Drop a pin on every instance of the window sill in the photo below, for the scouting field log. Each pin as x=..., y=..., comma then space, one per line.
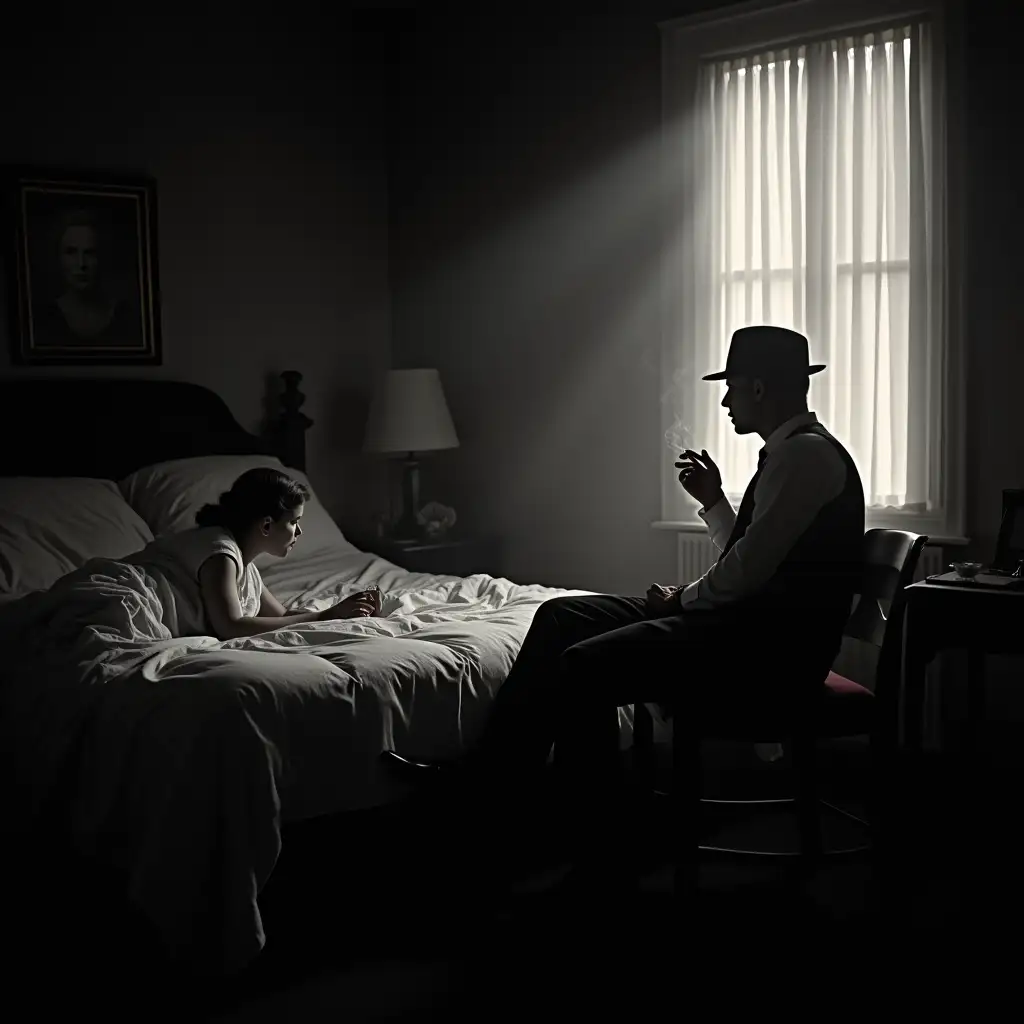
x=937, y=539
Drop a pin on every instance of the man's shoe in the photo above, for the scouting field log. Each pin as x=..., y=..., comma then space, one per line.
x=419, y=772
x=412, y=769
x=468, y=773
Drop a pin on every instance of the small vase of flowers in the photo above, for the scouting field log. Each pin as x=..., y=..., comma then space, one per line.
x=435, y=520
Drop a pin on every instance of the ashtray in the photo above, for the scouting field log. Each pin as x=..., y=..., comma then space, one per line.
x=967, y=570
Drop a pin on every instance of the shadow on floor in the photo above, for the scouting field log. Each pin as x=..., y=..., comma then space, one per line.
x=449, y=912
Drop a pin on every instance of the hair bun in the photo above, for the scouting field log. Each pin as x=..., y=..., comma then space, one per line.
x=211, y=515
x=257, y=493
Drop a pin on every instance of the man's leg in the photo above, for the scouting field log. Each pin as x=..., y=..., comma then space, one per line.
x=523, y=718
x=703, y=664
x=706, y=666
x=639, y=662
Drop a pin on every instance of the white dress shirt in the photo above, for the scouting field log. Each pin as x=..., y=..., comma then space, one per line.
x=801, y=475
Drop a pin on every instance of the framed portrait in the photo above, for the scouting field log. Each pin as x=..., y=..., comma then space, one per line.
x=82, y=264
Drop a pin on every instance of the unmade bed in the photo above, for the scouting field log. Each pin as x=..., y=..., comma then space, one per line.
x=179, y=761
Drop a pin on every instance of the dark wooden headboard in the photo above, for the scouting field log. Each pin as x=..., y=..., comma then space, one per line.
x=109, y=427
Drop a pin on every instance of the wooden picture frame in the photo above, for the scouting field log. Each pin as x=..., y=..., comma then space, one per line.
x=82, y=267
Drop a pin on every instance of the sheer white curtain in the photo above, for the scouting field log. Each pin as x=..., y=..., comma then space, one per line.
x=821, y=200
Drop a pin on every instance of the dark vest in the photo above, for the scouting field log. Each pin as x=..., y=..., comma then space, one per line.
x=808, y=600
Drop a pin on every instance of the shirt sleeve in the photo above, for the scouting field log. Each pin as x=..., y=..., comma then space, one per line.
x=720, y=519
x=797, y=482
x=205, y=542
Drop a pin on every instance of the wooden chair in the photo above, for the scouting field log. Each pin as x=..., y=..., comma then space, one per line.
x=843, y=708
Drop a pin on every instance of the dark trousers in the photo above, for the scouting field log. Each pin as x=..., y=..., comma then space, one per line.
x=586, y=656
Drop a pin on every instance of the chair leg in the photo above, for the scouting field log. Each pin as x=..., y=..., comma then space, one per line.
x=686, y=791
x=805, y=765
x=643, y=745
x=879, y=768
x=885, y=786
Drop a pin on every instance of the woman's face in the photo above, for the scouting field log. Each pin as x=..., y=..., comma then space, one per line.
x=79, y=256
x=283, y=533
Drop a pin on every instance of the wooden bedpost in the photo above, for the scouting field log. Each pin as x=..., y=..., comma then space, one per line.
x=291, y=424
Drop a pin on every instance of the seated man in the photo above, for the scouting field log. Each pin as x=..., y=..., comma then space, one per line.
x=768, y=615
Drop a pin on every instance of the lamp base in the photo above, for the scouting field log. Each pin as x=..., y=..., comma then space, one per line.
x=407, y=530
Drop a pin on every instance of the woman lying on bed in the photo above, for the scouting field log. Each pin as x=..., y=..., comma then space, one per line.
x=260, y=515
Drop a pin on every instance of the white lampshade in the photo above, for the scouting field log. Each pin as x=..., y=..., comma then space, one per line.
x=409, y=414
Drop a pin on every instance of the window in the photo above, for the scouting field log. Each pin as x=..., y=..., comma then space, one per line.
x=815, y=199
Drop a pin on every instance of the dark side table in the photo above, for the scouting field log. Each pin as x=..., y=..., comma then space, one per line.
x=977, y=619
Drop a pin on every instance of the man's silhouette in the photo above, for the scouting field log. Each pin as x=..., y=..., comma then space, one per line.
x=759, y=629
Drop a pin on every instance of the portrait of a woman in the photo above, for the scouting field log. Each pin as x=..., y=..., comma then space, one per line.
x=86, y=268
x=87, y=308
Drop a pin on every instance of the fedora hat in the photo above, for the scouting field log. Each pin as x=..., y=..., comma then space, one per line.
x=766, y=351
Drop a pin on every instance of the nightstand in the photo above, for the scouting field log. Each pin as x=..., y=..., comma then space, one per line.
x=455, y=556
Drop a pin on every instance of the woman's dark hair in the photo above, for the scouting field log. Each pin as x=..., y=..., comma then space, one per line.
x=256, y=493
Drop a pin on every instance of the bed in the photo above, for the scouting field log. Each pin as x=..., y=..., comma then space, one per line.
x=179, y=763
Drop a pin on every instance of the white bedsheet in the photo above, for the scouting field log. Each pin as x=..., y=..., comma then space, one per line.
x=169, y=748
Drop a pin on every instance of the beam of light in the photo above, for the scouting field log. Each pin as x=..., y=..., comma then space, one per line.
x=577, y=277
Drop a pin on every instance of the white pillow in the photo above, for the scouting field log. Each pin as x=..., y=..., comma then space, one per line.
x=168, y=495
x=49, y=526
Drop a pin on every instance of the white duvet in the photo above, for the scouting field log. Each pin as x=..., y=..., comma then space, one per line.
x=178, y=759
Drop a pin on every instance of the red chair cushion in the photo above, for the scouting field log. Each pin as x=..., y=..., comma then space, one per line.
x=847, y=687
x=847, y=708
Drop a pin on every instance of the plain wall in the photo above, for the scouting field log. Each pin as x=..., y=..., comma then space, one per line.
x=524, y=262
x=265, y=134
x=524, y=255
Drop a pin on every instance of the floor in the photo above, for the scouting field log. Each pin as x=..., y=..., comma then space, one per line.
x=464, y=914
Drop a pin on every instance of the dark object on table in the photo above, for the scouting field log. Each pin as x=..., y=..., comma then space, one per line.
x=1010, y=541
x=82, y=256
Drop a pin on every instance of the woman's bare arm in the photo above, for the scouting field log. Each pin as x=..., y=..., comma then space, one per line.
x=219, y=588
x=270, y=606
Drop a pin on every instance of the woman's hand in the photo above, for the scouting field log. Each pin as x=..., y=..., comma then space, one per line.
x=356, y=606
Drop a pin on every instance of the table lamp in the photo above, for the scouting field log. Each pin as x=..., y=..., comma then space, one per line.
x=408, y=415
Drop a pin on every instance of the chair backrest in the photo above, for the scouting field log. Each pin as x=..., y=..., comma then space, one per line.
x=890, y=561
x=1010, y=542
